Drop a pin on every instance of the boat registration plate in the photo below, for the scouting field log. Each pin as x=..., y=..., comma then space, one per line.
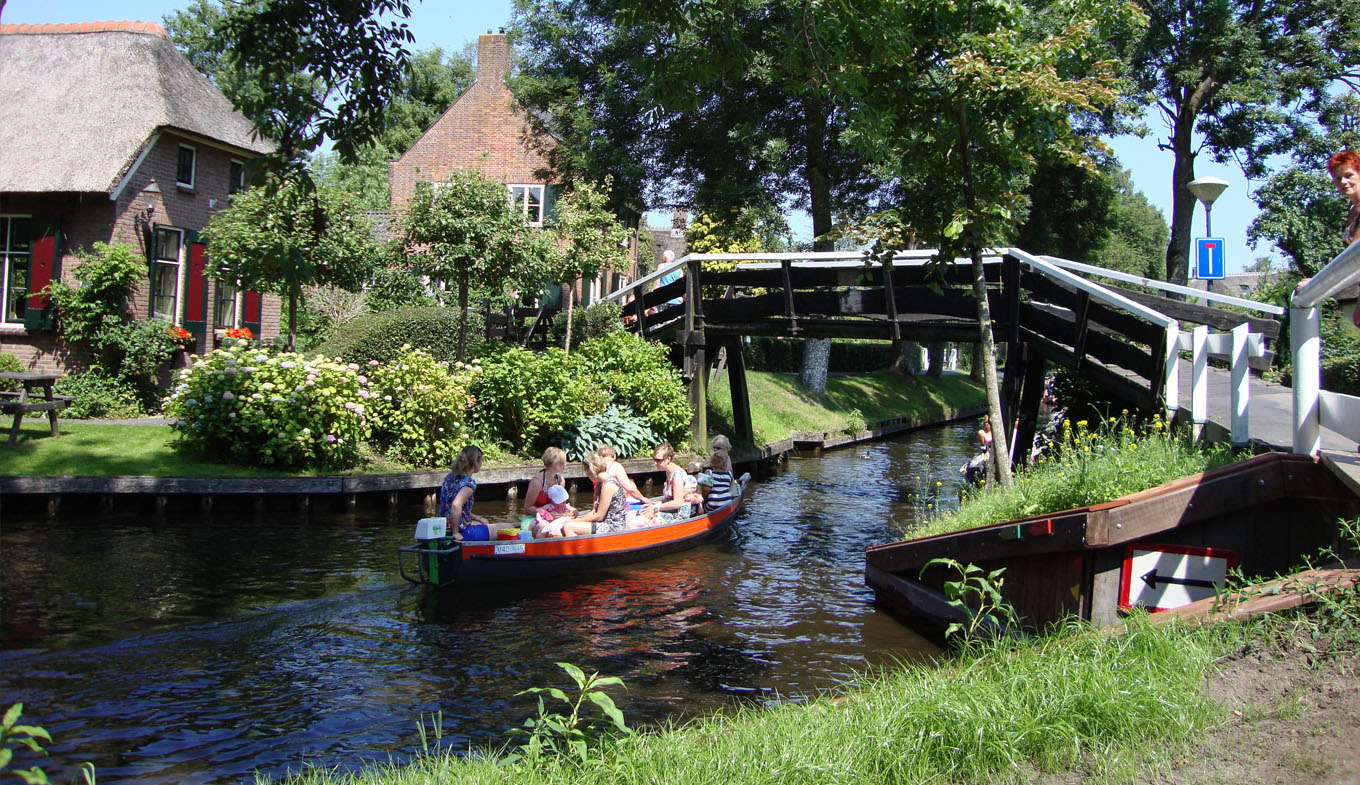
x=509, y=547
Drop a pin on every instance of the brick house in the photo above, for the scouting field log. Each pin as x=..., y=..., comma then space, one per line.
x=486, y=130
x=113, y=136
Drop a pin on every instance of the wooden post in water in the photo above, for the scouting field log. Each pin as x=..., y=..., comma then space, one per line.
x=741, y=396
x=1030, y=398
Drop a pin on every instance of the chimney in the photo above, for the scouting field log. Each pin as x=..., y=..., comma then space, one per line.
x=493, y=57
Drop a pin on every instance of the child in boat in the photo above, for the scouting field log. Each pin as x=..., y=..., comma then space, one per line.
x=552, y=516
x=609, y=514
x=693, y=472
x=615, y=471
x=721, y=487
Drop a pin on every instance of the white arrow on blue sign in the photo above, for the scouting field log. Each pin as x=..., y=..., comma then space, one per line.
x=1209, y=261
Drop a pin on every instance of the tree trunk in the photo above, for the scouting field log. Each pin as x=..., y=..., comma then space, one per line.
x=935, y=350
x=975, y=366
x=294, y=293
x=571, y=299
x=462, y=315
x=1182, y=207
x=817, y=351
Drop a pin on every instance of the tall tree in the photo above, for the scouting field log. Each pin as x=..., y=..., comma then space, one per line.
x=961, y=98
x=464, y=230
x=590, y=239
x=1241, y=79
x=280, y=236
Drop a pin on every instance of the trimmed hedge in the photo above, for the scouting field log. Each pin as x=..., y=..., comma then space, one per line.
x=381, y=336
x=785, y=355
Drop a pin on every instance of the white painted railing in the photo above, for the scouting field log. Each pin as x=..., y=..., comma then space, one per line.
x=1237, y=347
x=1163, y=286
x=1313, y=408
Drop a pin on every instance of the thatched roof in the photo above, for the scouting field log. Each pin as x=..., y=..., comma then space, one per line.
x=83, y=100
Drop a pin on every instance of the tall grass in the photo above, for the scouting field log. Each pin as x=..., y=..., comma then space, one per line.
x=1090, y=465
x=999, y=713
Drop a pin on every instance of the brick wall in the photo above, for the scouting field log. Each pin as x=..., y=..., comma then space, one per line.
x=90, y=218
x=482, y=130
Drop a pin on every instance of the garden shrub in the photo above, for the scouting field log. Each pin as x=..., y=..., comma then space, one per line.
x=636, y=372
x=381, y=336
x=417, y=407
x=10, y=364
x=525, y=398
x=617, y=426
x=246, y=405
x=397, y=287
x=99, y=396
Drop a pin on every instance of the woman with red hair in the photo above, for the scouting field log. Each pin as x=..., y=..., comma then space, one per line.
x=1345, y=170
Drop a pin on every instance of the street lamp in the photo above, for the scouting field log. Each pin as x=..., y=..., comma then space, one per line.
x=1206, y=190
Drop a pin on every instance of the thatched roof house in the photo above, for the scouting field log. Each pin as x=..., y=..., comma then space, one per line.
x=82, y=102
x=111, y=135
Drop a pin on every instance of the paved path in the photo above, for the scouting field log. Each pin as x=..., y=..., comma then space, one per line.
x=1270, y=412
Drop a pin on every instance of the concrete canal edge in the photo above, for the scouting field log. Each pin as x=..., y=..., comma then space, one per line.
x=161, y=497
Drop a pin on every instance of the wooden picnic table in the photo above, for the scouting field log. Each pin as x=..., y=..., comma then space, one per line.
x=26, y=402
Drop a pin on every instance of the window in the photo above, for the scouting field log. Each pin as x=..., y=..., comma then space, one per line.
x=165, y=273
x=224, y=306
x=236, y=177
x=529, y=200
x=184, y=169
x=14, y=256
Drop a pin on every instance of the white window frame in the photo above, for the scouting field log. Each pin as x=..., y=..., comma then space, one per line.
x=158, y=271
x=193, y=165
x=235, y=304
x=7, y=225
x=523, y=205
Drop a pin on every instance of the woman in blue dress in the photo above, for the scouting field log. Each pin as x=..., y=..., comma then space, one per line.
x=456, y=498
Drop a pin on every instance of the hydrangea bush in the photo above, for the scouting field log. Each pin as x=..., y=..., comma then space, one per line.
x=250, y=405
x=417, y=406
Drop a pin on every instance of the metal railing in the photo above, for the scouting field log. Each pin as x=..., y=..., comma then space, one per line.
x=1315, y=408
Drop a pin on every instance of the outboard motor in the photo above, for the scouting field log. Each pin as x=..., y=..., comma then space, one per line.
x=432, y=535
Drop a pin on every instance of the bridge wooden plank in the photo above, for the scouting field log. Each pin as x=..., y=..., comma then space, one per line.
x=995, y=541
x=1042, y=288
x=1058, y=327
x=1135, y=392
x=1217, y=318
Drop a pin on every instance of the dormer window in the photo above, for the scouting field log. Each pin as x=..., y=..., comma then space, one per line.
x=528, y=199
x=184, y=168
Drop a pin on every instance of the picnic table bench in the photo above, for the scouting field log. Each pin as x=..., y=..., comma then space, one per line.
x=23, y=401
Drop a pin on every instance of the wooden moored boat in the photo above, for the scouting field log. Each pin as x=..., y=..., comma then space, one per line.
x=445, y=562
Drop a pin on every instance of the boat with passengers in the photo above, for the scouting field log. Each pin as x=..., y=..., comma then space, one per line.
x=439, y=560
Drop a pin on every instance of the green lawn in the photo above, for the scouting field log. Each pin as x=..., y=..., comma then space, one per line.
x=87, y=449
x=779, y=406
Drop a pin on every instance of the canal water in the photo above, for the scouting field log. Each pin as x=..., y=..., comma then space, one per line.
x=203, y=652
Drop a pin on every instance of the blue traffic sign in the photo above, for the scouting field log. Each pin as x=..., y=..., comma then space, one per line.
x=1209, y=262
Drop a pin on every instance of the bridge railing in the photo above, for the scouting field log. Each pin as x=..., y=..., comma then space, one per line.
x=1315, y=408
x=1243, y=344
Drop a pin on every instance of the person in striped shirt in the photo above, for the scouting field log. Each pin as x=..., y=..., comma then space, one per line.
x=722, y=488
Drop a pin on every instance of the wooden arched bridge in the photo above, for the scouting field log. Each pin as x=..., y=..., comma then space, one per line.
x=1126, y=340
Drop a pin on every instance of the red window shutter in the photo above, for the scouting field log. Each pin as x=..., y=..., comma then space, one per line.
x=43, y=268
x=250, y=315
x=196, y=287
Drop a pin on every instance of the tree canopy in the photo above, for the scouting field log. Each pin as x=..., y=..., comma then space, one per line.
x=463, y=230
x=589, y=239
x=1242, y=79
x=282, y=236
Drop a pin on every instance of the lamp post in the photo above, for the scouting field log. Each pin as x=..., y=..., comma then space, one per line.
x=1206, y=190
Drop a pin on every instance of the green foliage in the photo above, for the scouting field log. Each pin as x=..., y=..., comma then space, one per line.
x=978, y=595
x=95, y=312
x=99, y=396
x=395, y=287
x=381, y=336
x=617, y=426
x=635, y=372
x=14, y=736
x=246, y=405
x=1089, y=466
x=465, y=230
x=287, y=234
x=10, y=364
x=417, y=407
x=524, y=398
x=590, y=240
x=1302, y=215
x=601, y=318
x=574, y=735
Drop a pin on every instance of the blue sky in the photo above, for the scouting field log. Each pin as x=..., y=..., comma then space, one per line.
x=451, y=25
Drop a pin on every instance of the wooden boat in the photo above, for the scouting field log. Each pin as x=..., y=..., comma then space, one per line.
x=445, y=562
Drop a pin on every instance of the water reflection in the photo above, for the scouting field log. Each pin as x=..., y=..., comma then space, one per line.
x=198, y=653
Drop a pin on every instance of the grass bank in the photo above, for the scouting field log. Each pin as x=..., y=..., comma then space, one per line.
x=779, y=407
x=1095, y=463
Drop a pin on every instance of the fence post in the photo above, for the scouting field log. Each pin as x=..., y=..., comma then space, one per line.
x=1172, y=370
x=1306, y=346
x=1199, y=380
x=1241, y=385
